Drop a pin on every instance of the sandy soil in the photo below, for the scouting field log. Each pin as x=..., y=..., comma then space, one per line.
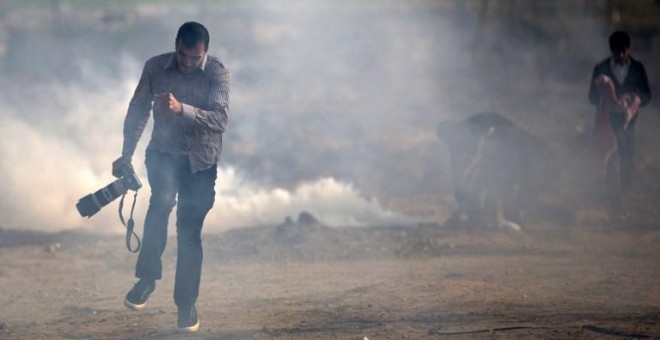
x=592, y=280
x=589, y=280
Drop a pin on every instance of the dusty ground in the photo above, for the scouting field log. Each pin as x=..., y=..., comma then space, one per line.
x=592, y=280
x=588, y=280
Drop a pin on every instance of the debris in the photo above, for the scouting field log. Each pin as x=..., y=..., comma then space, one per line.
x=53, y=247
x=306, y=218
x=294, y=232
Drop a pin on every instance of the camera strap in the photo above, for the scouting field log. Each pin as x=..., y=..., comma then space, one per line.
x=129, y=225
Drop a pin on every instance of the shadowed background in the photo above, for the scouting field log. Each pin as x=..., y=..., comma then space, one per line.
x=334, y=104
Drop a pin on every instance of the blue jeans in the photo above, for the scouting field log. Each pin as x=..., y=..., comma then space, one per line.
x=170, y=176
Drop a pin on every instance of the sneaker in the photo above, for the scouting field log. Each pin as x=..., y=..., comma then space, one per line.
x=188, y=320
x=137, y=297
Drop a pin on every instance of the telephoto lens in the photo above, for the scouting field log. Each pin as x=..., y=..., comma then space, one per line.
x=92, y=203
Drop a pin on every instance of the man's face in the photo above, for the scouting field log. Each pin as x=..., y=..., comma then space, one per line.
x=189, y=59
x=621, y=55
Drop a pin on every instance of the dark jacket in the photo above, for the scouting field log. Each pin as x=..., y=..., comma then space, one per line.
x=636, y=81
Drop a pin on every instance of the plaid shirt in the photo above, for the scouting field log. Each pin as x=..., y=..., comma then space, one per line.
x=204, y=95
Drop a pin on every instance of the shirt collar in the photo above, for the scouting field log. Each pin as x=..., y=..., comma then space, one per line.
x=171, y=62
x=613, y=64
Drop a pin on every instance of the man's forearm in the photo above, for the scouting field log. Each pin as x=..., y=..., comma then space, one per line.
x=215, y=120
x=213, y=116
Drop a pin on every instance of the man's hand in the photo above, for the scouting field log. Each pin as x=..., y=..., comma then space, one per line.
x=631, y=102
x=168, y=103
x=606, y=87
x=119, y=164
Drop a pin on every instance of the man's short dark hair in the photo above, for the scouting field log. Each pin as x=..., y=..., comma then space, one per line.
x=619, y=40
x=192, y=34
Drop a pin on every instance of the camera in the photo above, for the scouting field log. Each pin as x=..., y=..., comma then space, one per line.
x=92, y=203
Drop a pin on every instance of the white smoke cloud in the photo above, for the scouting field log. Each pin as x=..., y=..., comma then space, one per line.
x=42, y=175
x=48, y=163
x=331, y=103
x=56, y=149
x=240, y=203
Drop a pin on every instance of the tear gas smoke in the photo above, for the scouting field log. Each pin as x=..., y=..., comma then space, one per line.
x=48, y=171
x=307, y=108
x=50, y=163
x=333, y=104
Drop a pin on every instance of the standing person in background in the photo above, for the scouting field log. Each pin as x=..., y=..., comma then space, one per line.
x=619, y=87
x=188, y=91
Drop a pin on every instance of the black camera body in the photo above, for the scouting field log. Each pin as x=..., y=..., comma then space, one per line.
x=92, y=203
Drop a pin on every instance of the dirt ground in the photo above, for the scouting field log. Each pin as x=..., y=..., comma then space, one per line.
x=307, y=281
x=588, y=280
